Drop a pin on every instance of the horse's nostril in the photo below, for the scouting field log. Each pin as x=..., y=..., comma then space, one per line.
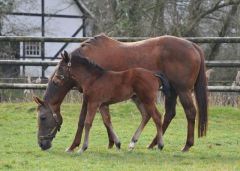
x=44, y=145
x=41, y=145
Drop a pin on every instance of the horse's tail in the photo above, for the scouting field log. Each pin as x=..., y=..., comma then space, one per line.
x=200, y=89
x=166, y=89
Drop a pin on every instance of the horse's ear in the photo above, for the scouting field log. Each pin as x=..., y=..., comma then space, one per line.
x=38, y=100
x=62, y=56
x=65, y=56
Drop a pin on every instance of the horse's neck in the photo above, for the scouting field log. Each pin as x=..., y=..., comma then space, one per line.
x=55, y=95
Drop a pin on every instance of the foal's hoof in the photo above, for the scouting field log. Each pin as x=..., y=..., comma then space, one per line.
x=118, y=145
x=131, y=146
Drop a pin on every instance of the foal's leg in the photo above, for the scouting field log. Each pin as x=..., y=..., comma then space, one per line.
x=190, y=111
x=170, y=112
x=78, y=135
x=156, y=116
x=113, y=138
x=91, y=112
x=145, y=119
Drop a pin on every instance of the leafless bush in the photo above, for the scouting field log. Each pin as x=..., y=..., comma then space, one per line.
x=224, y=99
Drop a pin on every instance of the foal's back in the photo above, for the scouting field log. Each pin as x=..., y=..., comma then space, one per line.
x=113, y=87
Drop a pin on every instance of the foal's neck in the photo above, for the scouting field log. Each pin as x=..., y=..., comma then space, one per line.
x=85, y=78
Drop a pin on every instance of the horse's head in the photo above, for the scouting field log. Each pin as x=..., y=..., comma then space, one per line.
x=48, y=124
x=61, y=74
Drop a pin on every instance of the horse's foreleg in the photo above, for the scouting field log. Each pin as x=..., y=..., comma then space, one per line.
x=113, y=138
x=145, y=119
x=91, y=112
x=78, y=135
x=190, y=111
x=170, y=112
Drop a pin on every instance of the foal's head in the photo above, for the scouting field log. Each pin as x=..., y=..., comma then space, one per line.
x=73, y=67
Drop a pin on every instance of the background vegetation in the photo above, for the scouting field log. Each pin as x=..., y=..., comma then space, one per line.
x=140, y=18
x=19, y=150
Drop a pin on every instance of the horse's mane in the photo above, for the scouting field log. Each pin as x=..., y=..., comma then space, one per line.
x=78, y=59
x=97, y=40
x=50, y=90
x=51, y=87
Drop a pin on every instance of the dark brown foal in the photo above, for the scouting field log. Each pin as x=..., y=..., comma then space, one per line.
x=102, y=88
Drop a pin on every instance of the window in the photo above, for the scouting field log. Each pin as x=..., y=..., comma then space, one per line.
x=32, y=49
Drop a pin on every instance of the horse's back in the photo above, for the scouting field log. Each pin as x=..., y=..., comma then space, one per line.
x=176, y=57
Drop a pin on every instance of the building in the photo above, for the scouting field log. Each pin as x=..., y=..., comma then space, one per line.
x=49, y=18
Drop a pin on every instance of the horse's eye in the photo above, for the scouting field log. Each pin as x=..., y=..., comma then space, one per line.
x=43, y=117
x=61, y=77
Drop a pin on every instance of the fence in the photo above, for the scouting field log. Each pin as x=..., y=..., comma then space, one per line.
x=124, y=39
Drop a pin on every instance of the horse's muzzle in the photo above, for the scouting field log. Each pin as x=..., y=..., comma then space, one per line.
x=45, y=144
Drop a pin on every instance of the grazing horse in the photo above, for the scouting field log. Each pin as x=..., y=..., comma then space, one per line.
x=102, y=88
x=181, y=61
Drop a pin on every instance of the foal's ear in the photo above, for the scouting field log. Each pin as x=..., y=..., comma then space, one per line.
x=38, y=100
x=65, y=56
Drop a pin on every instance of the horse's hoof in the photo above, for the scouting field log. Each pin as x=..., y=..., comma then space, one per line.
x=80, y=151
x=185, y=149
x=150, y=146
x=160, y=146
x=131, y=146
x=110, y=144
x=68, y=150
x=118, y=145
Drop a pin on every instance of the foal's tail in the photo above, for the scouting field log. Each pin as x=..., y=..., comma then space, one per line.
x=200, y=89
x=166, y=89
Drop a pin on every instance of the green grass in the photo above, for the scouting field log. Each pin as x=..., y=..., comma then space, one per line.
x=220, y=150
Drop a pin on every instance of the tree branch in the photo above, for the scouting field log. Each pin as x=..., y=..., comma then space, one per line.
x=217, y=6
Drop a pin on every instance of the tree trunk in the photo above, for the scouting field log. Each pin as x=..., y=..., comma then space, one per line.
x=158, y=19
x=214, y=48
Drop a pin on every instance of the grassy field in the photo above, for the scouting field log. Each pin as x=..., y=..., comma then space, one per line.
x=220, y=150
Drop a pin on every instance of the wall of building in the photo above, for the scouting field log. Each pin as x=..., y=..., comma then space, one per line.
x=54, y=26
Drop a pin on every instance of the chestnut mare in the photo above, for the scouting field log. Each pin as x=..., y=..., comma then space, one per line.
x=181, y=61
x=102, y=88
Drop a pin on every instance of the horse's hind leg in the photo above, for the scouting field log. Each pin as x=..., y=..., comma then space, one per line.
x=190, y=111
x=113, y=138
x=145, y=119
x=78, y=135
x=170, y=112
